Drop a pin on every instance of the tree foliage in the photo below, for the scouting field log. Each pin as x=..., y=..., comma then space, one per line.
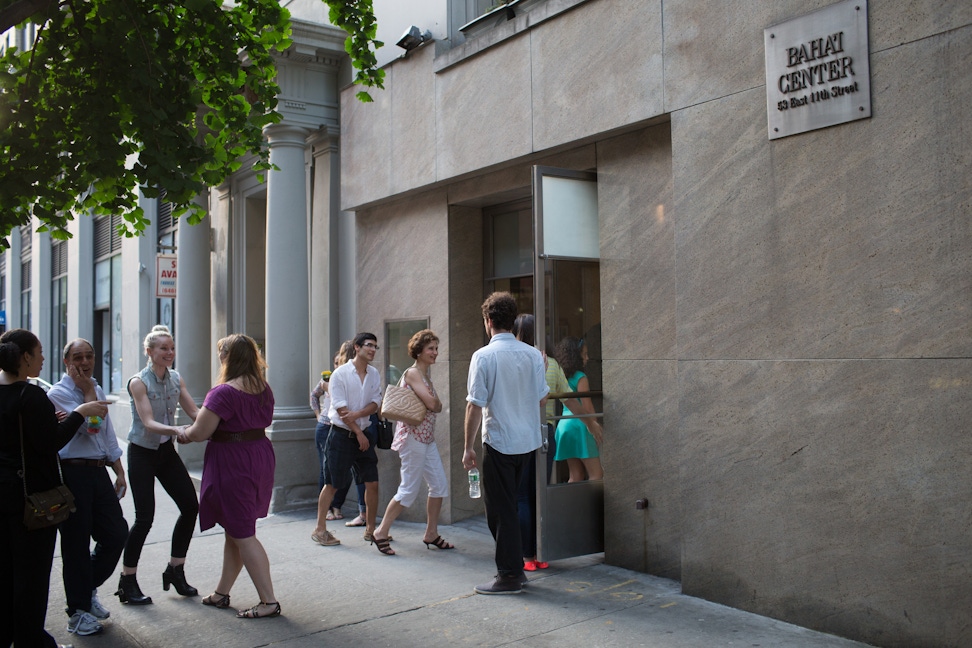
x=118, y=94
x=357, y=18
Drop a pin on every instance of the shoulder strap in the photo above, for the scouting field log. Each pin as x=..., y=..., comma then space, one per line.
x=23, y=457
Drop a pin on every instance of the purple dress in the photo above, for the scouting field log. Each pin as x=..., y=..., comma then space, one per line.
x=237, y=479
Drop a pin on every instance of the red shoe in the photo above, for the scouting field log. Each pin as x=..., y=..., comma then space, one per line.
x=530, y=565
x=542, y=565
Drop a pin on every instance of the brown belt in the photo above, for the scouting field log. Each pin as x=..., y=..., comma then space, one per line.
x=235, y=437
x=93, y=463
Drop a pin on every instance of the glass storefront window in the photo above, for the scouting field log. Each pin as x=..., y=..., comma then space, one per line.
x=395, y=346
x=512, y=237
x=116, y=323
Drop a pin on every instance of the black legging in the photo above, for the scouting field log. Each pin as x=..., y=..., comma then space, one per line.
x=144, y=466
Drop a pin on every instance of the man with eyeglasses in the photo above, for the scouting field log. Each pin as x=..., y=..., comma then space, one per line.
x=355, y=389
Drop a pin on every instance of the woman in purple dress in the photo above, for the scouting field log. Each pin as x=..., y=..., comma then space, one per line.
x=238, y=469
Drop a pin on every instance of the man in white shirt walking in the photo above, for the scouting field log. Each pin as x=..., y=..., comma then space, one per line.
x=507, y=390
x=355, y=390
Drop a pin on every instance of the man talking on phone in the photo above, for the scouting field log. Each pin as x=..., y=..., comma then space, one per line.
x=99, y=515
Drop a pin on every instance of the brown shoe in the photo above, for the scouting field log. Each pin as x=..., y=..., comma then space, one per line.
x=326, y=539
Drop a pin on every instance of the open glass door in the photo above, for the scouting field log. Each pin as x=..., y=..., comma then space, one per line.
x=570, y=514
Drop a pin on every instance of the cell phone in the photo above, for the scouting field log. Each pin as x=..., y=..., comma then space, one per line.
x=121, y=491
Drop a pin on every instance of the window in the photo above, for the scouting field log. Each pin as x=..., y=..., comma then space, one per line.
x=397, y=335
x=58, y=305
x=470, y=18
x=107, y=302
x=167, y=229
x=509, y=252
x=26, y=249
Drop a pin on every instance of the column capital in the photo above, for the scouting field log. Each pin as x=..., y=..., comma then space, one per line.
x=325, y=140
x=286, y=135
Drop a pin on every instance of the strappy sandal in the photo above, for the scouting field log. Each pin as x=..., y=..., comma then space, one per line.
x=440, y=543
x=383, y=546
x=254, y=612
x=368, y=537
x=217, y=600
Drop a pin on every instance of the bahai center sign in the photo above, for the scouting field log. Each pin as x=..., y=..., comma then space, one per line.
x=817, y=71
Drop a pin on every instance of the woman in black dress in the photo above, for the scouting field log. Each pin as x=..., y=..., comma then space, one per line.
x=26, y=556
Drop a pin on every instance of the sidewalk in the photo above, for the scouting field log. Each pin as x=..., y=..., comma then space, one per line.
x=352, y=595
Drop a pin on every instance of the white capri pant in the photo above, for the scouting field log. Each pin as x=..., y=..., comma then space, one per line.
x=420, y=460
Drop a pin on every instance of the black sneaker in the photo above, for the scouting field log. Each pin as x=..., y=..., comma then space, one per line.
x=500, y=585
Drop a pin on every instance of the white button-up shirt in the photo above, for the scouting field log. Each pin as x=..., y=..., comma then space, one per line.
x=348, y=390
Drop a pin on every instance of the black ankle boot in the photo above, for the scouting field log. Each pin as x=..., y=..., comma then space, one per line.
x=176, y=575
x=129, y=591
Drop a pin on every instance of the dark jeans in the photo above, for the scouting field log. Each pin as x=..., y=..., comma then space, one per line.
x=526, y=495
x=164, y=464
x=99, y=517
x=501, y=477
x=26, y=558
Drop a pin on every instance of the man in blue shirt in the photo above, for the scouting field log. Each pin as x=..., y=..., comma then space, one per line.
x=98, y=514
x=507, y=390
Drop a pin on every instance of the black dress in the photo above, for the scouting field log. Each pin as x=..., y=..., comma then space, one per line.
x=26, y=556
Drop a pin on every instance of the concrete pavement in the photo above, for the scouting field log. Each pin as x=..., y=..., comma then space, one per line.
x=350, y=594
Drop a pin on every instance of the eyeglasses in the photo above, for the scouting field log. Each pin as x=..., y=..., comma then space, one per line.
x=371, y=345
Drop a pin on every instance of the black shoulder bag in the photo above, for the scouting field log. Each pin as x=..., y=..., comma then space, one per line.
x=46, y=508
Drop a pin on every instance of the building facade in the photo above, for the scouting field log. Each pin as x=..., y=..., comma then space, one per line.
x=266, y=261
x=778, y=327
x=783, y=323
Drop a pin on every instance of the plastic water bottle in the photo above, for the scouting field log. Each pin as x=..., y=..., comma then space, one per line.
x=474, y=484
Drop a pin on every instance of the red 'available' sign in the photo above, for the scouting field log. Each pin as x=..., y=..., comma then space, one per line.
x=166, y=271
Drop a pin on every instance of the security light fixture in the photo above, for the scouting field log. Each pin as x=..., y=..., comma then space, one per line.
x=413, y=38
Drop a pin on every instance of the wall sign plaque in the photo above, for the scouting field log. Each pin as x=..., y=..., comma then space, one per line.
x=817, y=71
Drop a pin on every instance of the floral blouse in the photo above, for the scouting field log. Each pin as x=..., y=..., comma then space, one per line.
x=423, y=431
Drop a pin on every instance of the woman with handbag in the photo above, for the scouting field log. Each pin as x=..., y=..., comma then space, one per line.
x=238, y=467
x=28, y=467
x=416, y=448
x=155, y=391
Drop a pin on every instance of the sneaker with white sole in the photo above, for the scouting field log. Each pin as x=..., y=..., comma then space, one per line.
x=83, y=624
x=98, y=610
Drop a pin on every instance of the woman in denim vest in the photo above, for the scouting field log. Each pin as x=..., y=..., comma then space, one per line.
x=155, y=391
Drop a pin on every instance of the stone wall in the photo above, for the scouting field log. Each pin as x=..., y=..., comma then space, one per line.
x=786, y=328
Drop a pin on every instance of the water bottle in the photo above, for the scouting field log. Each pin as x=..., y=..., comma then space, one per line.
x=474, y=484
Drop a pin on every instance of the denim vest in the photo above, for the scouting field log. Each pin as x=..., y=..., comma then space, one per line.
x=163, y=394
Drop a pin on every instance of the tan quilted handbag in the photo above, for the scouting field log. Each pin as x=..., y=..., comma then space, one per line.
x=401, y=404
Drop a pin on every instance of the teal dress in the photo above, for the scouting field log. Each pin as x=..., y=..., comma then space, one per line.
x=573, y=439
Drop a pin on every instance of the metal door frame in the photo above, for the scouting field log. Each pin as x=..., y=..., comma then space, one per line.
x=569, y=517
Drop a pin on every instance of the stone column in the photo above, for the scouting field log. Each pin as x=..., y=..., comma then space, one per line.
x=287, y=272
x=325, y=207
x=194, y=352
x=287, y=327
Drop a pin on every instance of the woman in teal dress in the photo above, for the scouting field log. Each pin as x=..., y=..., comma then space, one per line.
x=578, y=438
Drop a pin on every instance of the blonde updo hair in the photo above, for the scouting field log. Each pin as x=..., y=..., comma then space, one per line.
x=158, y=331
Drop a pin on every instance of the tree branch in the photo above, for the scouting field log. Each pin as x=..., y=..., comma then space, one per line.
x=20, y=11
